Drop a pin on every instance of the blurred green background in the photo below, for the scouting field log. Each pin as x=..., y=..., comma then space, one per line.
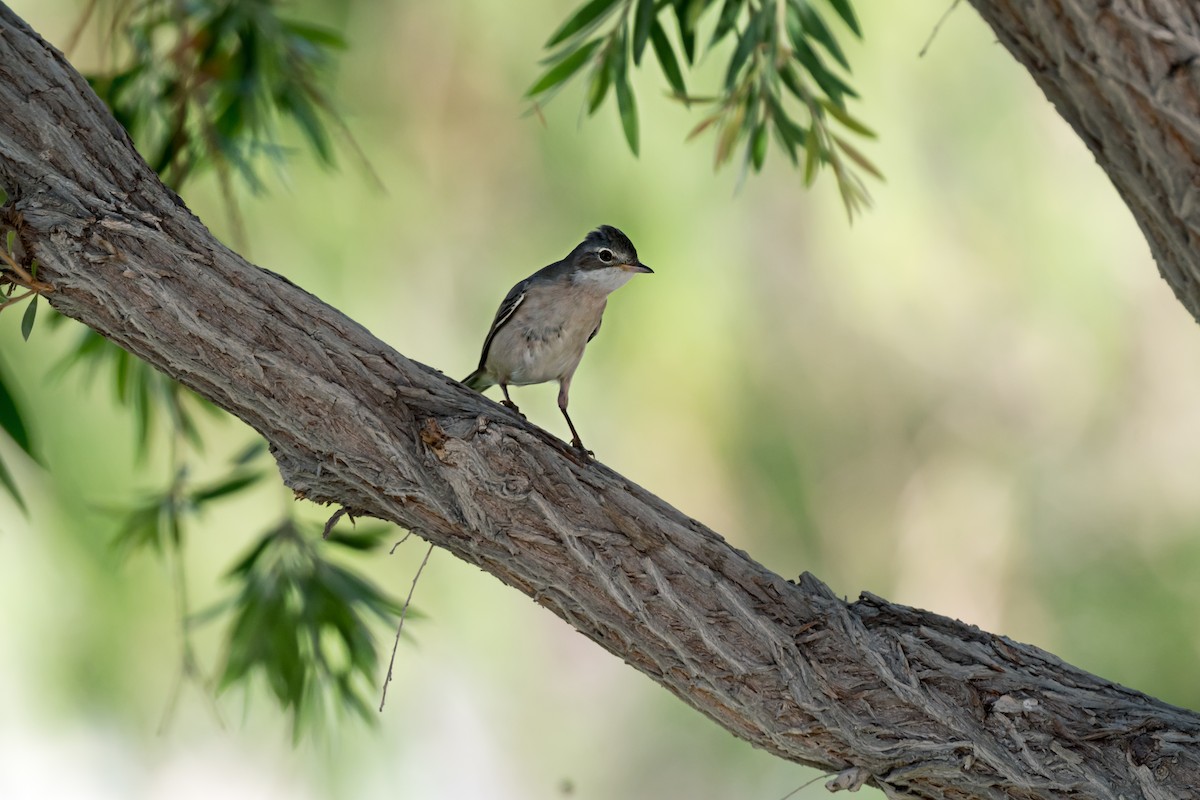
x=979, y=399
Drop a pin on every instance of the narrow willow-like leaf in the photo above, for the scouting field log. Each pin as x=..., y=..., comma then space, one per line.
x=843, y=116
x=687, y=33
x=564, y=69
x=754, y=35
x=704, y=125
x=6, y=479
x=12, y=422
x=814, y=26
x=225, y=487
x=812, y=155
x=858, y=158
x=305, y=114
x=28, y=318
x=366, y=537
x=759, y=146
x=641, y=28
x=316, y=34
x=846, y=12
x=831, y=84
x=250, y=452
x=627, y=108
x=667, y=60
x=588, y=14
x=729, y=135
x=727, y=20
x=601, y=80
x=792, y=81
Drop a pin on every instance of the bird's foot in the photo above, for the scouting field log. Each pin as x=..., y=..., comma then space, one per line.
x=577, y=443
x=511, y=405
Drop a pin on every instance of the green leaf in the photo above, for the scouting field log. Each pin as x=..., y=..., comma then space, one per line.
x=225, y=487
x=143, y=523
x=601, y=79
x=759, y=146
x=812, y=24
x=11, y=421
x=316, y=34
x=831, y=84
x=687, y=33
x=303, y=111
x=250, y=452
x=792, y=82
x=3, y=197
x=789, y=133
x=590, y=13
x=10, y=485
x=300, y=622
x=728, y=19
x=365, y=537
x=858, y=158
x=843, y=9
x=666, y=59
x=746, y=42
x=627, y=107
x=249, y=561
x=641, y=28
x=564, y=69
x=757, y=32
x=843, y=116
x=9, y=239
x=28, y=318
x=812, y=155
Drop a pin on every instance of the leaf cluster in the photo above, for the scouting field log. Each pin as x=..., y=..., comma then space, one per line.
x=780, y=80
x=211, y=83
x=158, y=520
x=300, y=622
x=296, y=619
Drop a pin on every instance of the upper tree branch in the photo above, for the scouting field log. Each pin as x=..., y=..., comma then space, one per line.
x=1126, y=75
x=927, y=706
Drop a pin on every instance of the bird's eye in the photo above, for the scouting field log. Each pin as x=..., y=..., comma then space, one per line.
x=605, y=255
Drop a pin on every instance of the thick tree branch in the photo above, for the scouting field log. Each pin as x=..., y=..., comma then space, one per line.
x=925, y=705
x=1126, y=75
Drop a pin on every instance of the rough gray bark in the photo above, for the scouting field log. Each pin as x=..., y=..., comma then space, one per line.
x=1126, y=75
x=917, y=704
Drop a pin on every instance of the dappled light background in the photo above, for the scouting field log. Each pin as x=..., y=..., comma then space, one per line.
x=979, y=399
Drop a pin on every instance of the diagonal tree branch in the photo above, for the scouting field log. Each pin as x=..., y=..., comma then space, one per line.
x=923, y=705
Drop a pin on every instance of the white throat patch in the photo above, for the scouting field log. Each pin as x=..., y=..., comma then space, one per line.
x=605, y=279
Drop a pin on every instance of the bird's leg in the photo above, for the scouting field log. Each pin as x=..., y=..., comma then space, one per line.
x=576, y=442
x=507, y=401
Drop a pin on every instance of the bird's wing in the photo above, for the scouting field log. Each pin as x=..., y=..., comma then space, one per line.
x=598, y=324
x=508, y=307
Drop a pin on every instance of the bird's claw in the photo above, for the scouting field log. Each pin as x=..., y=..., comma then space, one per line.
x=509, y=404
x=578, y=445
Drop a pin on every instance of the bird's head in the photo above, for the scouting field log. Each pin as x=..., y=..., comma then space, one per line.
x=607, y=253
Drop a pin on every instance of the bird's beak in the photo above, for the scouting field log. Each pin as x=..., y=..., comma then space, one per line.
x=637, y=266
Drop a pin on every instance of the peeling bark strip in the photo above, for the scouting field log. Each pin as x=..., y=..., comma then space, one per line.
x=924, y=705
x=1126, y=75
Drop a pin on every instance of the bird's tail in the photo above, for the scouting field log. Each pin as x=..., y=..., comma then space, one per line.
x=478, y=380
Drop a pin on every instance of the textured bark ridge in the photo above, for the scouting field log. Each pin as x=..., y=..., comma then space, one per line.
x=917, y=704
x=1126, y=75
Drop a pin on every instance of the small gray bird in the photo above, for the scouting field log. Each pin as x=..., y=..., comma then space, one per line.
x=547, y=319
